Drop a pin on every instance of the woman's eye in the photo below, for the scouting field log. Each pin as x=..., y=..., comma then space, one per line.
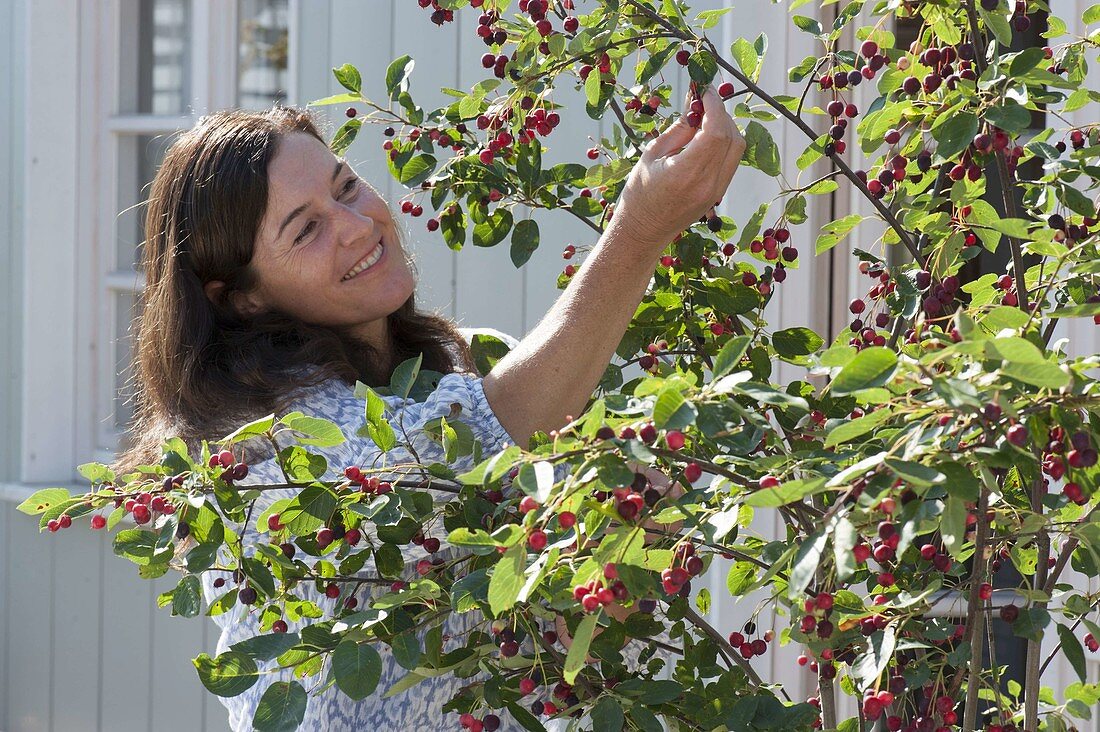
x=349, y=186
x=308, y=228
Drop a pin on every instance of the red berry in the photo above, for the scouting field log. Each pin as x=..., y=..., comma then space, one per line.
x=1017, y=434
x=273, y=523
x=726, y=90
x=527, y=504
x=332, y=590
x=683, y=56
x=675, y=439
x=537, y=540
x=567, y=519
x=279, y=626
x=98, y=522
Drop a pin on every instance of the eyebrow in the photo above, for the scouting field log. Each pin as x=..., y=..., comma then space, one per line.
x=290, y=217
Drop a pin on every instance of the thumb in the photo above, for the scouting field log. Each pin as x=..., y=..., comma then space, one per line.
x=673, y=139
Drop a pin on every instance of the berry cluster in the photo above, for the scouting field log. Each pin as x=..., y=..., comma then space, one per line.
x=439, y=15
x=750, y=648
x=649, y=362
x=594, y=595
x=676, y=580
x=489, y=723
x=369, y=484
x=233, y=470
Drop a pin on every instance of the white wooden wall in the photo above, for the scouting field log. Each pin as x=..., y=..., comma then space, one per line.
x=84, y=647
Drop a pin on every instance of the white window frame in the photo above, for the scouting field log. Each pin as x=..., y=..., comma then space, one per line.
x=73, y=135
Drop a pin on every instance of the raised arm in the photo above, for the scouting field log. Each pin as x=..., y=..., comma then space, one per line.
x=556, y=367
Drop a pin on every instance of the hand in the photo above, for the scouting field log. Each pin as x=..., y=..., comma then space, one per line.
x=680, y=175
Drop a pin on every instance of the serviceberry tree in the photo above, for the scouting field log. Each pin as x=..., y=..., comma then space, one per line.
x=945, y=434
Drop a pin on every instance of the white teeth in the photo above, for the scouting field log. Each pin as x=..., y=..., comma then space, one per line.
x=366, y=263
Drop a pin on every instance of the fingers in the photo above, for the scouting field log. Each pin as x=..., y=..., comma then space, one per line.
x=672, y=139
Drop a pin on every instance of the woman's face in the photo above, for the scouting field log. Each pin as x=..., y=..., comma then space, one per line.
x=323, y=225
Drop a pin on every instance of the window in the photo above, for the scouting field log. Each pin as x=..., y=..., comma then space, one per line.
x=166, y=74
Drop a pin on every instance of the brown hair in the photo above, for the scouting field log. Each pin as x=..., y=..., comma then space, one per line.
x=201, y=368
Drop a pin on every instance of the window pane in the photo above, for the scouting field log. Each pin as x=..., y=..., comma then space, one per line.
x=262, y=56
x=138, y=159
x=155, y=58
x=127, y=307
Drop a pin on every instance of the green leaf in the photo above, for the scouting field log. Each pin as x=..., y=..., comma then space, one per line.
x=186, y=598
x=845, y=537
x=672, y=411
x=309, y=510
x=140, y=547
x=796, y=342
x=358, y=667
x=953, y=525
x=344, y=136
x=784, y=493
x=1030, y=624
x=1044, y=375
x=607, y=715
x=230, y=674
x=1025, y=61
x=870, y=665
x=702, y=67
x=404, y=376
x=746, y=57
x=835, y=232
x=809, y=25
x=349, y=78
x=1010, y=116
x=507, y=579
x=760, y=149
x=1087, y=310
x=805, y=563
x=740, y=578
x=336, y=99
x=851, y=429
x=397, y=76
x=266, y=647
x=955, y=134
x=870, y=367
x=525, y=240
x=1091, y=15
x=318, y=432
x=730, y=355
x=281, y=709
x=43, y=500
x=252, y=429
x=492, y=231
x=582, y=639
x=1071, y=647
x=915, y=473
x=413, y=171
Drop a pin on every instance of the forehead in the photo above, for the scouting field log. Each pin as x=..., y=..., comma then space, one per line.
x=302, y=165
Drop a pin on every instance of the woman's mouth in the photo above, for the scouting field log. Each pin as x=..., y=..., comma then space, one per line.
x=367, y=262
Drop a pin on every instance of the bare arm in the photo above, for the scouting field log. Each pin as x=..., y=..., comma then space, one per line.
x=556, y=367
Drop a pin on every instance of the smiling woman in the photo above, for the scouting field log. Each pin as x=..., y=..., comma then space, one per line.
x=253, y=226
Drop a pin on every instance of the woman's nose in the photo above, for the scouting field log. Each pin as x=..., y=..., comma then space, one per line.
x=354, y=225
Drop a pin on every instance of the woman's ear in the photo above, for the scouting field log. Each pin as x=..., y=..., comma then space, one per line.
x=247, y=305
